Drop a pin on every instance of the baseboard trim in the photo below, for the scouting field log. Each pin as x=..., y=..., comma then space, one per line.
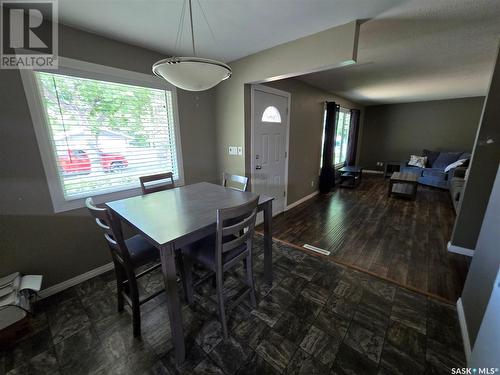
x=459, y=250
x=372, y=171
x=44, y=293
x=301, y=200
x=464, y=330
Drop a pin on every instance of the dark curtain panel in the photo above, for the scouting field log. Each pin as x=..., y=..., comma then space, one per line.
x=353, y=137
x=327, y=176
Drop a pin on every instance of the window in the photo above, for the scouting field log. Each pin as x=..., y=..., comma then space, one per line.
x=341, y=137
x=100, y=135
x=271, y=114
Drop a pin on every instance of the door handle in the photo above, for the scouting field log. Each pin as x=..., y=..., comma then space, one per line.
x=258, y=167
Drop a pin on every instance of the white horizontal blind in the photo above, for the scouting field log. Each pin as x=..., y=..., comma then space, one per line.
x=105, y=135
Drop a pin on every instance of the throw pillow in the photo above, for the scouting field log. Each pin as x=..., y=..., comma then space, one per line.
x=458, y=163
x=445, y=158
x=431, y=156
x=417, y=161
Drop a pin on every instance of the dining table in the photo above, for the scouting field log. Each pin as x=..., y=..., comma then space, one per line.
x=174, y=218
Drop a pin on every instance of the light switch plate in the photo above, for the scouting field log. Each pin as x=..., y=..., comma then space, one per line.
x=233, y=150
x=240, y=150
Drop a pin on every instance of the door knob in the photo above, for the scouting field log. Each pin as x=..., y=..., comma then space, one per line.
x=258, y=167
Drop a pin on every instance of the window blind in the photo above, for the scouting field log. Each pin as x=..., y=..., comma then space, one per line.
x=104, y=135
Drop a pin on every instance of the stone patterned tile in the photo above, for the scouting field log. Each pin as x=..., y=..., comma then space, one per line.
x=26, y=348
x=69, y=318
x=230, y=354
x=328, y=277
x=251, y=331
x=364, y=341
x=396, y=362
x=207, y=367
x=155, y=329
x=268, y=311
x=440, y=356
x=446, y=333
x=303, y=364
x=44, y=363
x=350, y=362
x=331, y=324
x=380, y=288
x=209, y=335
x=194, y=355
x=276, y=350
x=71, y=349
x=291, y=327
x=100, y=305
x=410, y=309
x=293, y=284
x=257, y=366
x=442, y=312
x=321, y=346
x=304, y=308
x=407, y=340
x=315, y=293
x=95, y=362
x=303, y=270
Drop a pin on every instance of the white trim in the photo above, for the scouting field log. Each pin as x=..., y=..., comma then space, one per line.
x=44, y=293
x=40, y=124
x=372, y=171
x=301, y=200
x=316, y=249
x=459, y=250
x=463, y=329
x=287, y=95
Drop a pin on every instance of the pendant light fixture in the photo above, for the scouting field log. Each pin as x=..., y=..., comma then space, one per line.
x=191, y=73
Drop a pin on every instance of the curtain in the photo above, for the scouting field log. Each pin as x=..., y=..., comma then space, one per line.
x=327, y=176
x=352, y=143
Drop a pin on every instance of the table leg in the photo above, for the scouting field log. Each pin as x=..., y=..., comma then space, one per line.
x=167, y=255
x=268, y=243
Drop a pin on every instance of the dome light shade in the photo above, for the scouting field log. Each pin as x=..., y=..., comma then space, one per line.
x=192, y=73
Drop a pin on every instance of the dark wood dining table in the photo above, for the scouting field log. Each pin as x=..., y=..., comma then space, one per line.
x=174, y=218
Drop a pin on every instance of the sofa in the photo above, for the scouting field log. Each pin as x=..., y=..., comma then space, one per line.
x=434, y=172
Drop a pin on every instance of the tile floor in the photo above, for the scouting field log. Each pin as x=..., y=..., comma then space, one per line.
x=317, y=318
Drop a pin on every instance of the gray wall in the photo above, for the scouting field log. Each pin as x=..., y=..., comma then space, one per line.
x=484, y=267
x=306, y=129
x=32, y=238
x=483, y=168
x=394, y=131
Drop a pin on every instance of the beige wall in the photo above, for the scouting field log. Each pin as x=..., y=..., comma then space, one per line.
x=327, y=49
x=60, y=246
x=306, y=129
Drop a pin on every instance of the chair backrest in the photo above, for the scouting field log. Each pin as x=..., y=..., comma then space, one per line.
x=228, y=180
x=157, y=182
x=112, y=232
x=235, y=226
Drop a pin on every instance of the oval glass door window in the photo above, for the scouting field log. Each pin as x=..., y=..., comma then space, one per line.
x=271, y=114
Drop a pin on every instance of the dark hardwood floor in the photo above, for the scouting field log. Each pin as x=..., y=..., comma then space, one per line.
x=399, y=240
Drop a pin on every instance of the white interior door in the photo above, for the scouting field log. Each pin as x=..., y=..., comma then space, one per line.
x=269, y=154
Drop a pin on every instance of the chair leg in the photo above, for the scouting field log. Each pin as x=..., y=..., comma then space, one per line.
x=136, y=308
x=187, y=278
x=220, y=298
x=250, y=282
x=119, y=287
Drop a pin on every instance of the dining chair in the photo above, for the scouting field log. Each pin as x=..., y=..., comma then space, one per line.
x=128, y=255
x=229, y=180
x=157, y=182
x=222, y=251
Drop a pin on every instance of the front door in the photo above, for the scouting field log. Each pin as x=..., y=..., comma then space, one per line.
x=269, y=154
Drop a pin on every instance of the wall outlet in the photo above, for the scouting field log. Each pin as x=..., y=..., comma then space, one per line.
x=240, y=150
x=233, y=150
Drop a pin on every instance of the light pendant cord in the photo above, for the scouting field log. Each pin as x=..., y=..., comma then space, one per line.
x=192, y=31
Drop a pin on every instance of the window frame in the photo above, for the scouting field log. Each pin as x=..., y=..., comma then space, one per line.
x=83, y=69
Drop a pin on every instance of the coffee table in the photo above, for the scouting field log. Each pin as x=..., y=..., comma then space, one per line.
x=350, y=176
x=403, y=185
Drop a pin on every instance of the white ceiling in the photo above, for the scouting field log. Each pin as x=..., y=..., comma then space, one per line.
x=421, y=50
x=409, y=50
x=241, y=27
